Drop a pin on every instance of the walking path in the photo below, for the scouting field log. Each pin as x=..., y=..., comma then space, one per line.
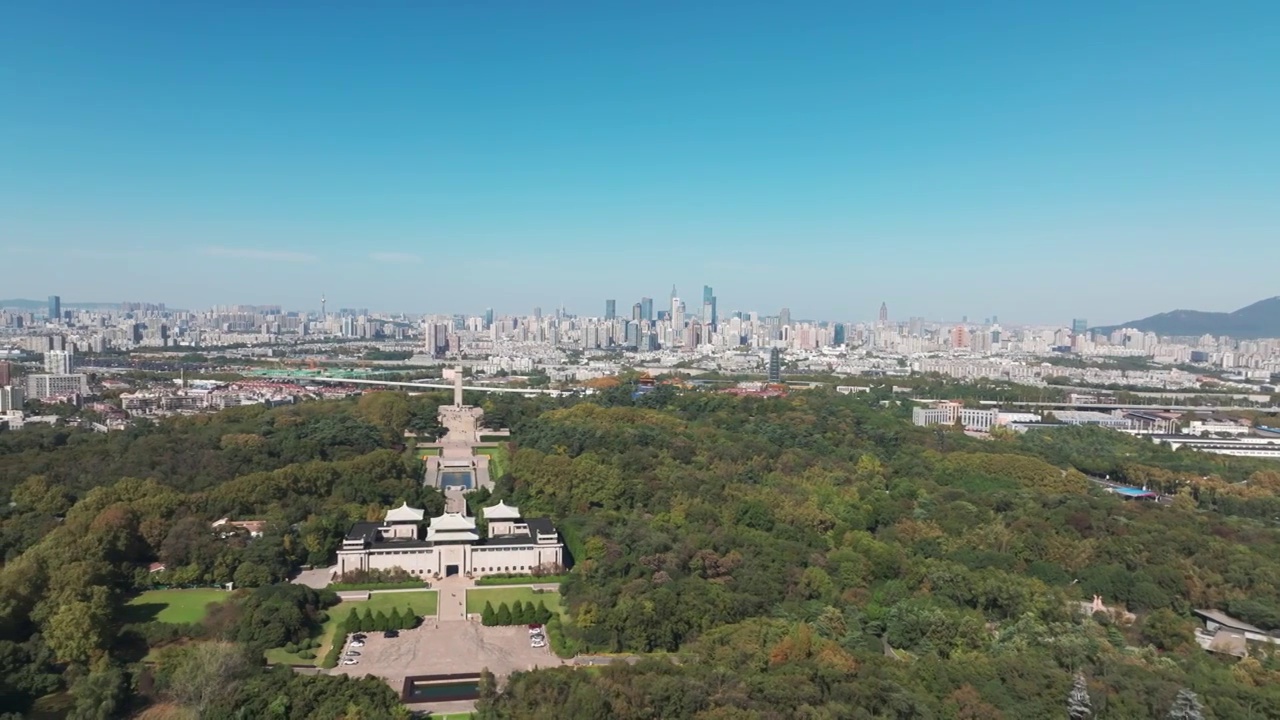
x=451, y=602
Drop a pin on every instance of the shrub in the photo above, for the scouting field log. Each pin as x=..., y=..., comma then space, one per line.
x=290, y=648
x=307, y=654
x=488, y=616
x=504, y=615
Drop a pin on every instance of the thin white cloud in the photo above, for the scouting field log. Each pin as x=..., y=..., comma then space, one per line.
x=395, y=257
x=257, y=254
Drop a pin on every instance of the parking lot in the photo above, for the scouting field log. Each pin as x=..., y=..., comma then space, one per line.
x=452, y=647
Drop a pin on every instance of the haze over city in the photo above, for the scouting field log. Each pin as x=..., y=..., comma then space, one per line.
x=1017, y=160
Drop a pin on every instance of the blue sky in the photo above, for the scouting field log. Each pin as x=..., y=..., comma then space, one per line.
x=1037, y=161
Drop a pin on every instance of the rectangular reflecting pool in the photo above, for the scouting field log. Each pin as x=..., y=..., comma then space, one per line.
x=420, y=690
x=456, y=478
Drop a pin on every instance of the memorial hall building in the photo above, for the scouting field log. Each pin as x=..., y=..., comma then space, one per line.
x=452, y=544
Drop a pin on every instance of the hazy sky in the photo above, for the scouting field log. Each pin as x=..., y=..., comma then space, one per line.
x=1034, y=160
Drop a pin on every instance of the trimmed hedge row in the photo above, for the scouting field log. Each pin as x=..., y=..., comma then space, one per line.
x=520, y=579
x=404, y=585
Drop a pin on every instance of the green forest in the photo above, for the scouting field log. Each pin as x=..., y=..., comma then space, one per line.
x=814, y=556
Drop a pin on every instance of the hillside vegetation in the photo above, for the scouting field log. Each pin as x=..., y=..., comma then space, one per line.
x=813, y=556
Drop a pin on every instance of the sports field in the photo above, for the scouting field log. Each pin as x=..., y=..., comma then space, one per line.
x=173, y=606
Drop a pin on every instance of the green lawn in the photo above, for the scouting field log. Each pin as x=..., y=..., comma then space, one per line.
x=451, y=716
x=421, y=603
x=497, y=460
x=427, y=452
x=173, y=606
x=476, y=598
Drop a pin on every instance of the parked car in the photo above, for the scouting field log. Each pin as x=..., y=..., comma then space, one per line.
x=358, y=636
x=391, y=634
x=350, y=661
x=352, y=653
x=357, y=643
x=535, y=629
x=538, y=641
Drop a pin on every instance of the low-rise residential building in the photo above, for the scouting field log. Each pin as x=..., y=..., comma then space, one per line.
x=975, y=419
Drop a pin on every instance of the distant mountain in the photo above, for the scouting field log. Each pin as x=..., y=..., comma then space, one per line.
x=23, y=304
x=1259, y=320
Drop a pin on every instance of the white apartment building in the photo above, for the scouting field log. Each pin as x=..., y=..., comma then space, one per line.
x=59, y=362
x=47, y=385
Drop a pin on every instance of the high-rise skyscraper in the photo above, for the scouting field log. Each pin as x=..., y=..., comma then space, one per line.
x=646, y=308
x=677, y=320
x=709, y=314
x=1079, y=326
x=610, y=309
x=55, y=308
x=884, y=313
x=784, y=317
x=637, y=313
x=6, y=373
x=838, y=334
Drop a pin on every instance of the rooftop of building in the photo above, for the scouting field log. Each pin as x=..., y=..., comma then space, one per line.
x=404, y=513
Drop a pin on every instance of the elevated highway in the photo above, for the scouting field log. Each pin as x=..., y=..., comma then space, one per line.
x=431, y=386
x=1118, y=406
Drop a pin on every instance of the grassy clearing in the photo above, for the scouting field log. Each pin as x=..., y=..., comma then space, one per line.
x=173, y=606
x=428, y=452
x=477, y=597
x=421, y=603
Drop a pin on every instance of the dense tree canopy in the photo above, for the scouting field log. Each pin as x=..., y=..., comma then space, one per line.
x=811, y=556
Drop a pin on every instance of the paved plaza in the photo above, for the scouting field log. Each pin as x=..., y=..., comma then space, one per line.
x=448, y=648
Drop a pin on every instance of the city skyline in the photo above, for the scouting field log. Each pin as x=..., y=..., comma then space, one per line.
x=1031, y=162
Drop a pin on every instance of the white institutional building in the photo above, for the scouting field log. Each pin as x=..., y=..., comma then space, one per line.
x=453, y=545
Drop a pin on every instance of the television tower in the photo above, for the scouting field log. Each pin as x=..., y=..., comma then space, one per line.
x=322, y=315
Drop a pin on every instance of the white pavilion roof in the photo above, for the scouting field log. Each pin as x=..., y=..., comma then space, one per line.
x=501, y=511
x=452, y=521
x=404, y=513
x=434, y=535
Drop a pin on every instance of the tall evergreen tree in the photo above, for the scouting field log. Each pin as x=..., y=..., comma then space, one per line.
x=1079, y=706
x=488, y=616
x=517, y=613
x=1186, y=706
x=352, y=623
x=504, y=615
x=541, y=614
x=394, y=620
x=381, y=621
x=367, y=623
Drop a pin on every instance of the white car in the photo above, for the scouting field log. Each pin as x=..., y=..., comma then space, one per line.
x=350, y=661
x=357, y=643
x=538, y=642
